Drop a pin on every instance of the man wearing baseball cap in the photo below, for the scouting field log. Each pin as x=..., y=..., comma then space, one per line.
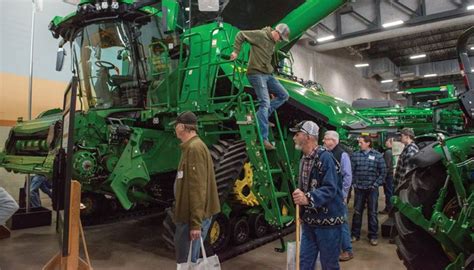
x=260, y=69
x=195, y=189
x=319, y=194
x=410, y=149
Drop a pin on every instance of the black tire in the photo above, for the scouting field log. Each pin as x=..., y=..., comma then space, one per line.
x=240, y=230
x=229, y=158
x=95, y=204
x=258, y=225
x=416, y=247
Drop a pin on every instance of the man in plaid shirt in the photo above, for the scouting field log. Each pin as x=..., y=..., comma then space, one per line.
x=368, y=173
x=403, y=164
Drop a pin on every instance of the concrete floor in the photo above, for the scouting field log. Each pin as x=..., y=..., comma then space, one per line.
x=135, y=244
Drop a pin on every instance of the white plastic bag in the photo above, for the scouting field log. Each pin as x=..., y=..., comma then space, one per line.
x=205, y=263
x=291, y=256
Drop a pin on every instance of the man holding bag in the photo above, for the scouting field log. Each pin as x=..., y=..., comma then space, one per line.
x=195, y=189
x=320, y=199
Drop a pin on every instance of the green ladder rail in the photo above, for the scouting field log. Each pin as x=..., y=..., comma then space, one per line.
x=271, y=197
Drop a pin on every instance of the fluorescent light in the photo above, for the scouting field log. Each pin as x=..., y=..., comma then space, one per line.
x=361, y=65
x=387, y=81
x=325, y=38
x=472, y=48
x=418, y=56
x=186, y=9
x=471, y=7
x=401, y=92
x=391, y=24
x=430, y=75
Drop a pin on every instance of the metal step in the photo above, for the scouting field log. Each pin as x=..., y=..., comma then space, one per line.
x=287, y=219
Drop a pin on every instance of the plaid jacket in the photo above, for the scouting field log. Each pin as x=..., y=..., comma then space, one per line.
x=403, y=164
x=368, y=169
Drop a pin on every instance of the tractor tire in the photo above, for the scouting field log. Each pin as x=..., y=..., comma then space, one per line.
x=229, y=158
x=95, y=204
x=218, y=235
x=416, y=247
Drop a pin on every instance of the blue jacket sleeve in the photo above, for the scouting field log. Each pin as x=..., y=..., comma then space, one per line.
x=328, y=188
x=346, y=174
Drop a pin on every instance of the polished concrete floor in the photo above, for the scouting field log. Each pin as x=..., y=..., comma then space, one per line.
x=135, y=244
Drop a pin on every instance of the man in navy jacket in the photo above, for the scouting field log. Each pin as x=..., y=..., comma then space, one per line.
x=320, y=195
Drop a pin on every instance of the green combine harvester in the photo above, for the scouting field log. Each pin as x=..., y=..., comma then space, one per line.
x=138, y=65
x=428, y=110
x=435, y=221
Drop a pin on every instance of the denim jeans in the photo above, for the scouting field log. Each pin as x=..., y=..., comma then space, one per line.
x=263, y=84
x=39, y=182
x=346, y=244
x=181, y=241
x=388, y=191
x=8, y=206
x=323, y=241
x=370, y=198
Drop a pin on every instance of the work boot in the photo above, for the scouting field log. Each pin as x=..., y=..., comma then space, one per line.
x=354, y=239
x=373, y=242
x=4, y=232
x=268, y=145
x=345, y=256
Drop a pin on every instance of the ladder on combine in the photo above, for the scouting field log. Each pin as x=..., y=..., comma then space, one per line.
x=274, y=176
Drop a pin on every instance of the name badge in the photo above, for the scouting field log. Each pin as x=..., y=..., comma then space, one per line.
x=372, y=157
x=179, y=175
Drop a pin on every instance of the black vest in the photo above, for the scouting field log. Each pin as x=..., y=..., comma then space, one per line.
x=337, y=153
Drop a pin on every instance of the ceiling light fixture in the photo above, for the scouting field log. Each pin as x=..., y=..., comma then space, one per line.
x=387, y=81
x=471, y=7
x=418, y=56
x=325, y=38
x=430, y=75
x=361, y=65
x=391, y=24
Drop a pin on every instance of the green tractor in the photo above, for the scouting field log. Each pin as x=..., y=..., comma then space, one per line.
x=435, y=201
x=137, y=66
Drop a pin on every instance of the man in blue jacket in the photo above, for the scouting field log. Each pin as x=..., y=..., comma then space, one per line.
x=320, y=197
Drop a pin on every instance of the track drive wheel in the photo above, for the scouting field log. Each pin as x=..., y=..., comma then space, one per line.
x=219, y=233
x=240, y=230
x=258, y=225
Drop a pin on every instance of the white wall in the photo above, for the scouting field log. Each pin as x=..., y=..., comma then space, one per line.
x=335, y=71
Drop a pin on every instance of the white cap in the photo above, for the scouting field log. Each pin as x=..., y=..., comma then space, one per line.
x=283, y=30
x=308, y=127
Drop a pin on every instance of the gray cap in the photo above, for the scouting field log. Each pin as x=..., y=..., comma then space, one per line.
x=283, y=30
x=308, y=127
x=408, y=132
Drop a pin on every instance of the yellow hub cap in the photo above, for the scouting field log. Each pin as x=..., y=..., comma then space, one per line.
x=242, y=187
x=215, y=231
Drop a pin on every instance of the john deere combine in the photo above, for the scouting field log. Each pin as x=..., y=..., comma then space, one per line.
x=139, y=64
x=435, y=221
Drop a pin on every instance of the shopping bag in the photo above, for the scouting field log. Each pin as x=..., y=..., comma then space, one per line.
x=204, y=263
x=291, y=256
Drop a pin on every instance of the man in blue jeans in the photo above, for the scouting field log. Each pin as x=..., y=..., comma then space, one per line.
x=319, y=194
x=368, y=173
x=195, y=190
x=260, y=69
x=39, y=182
x=331, y=142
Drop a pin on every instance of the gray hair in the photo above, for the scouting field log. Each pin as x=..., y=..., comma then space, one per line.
x=333, y=135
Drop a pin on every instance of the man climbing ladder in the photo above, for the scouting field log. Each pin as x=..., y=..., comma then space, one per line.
x=260, y=70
